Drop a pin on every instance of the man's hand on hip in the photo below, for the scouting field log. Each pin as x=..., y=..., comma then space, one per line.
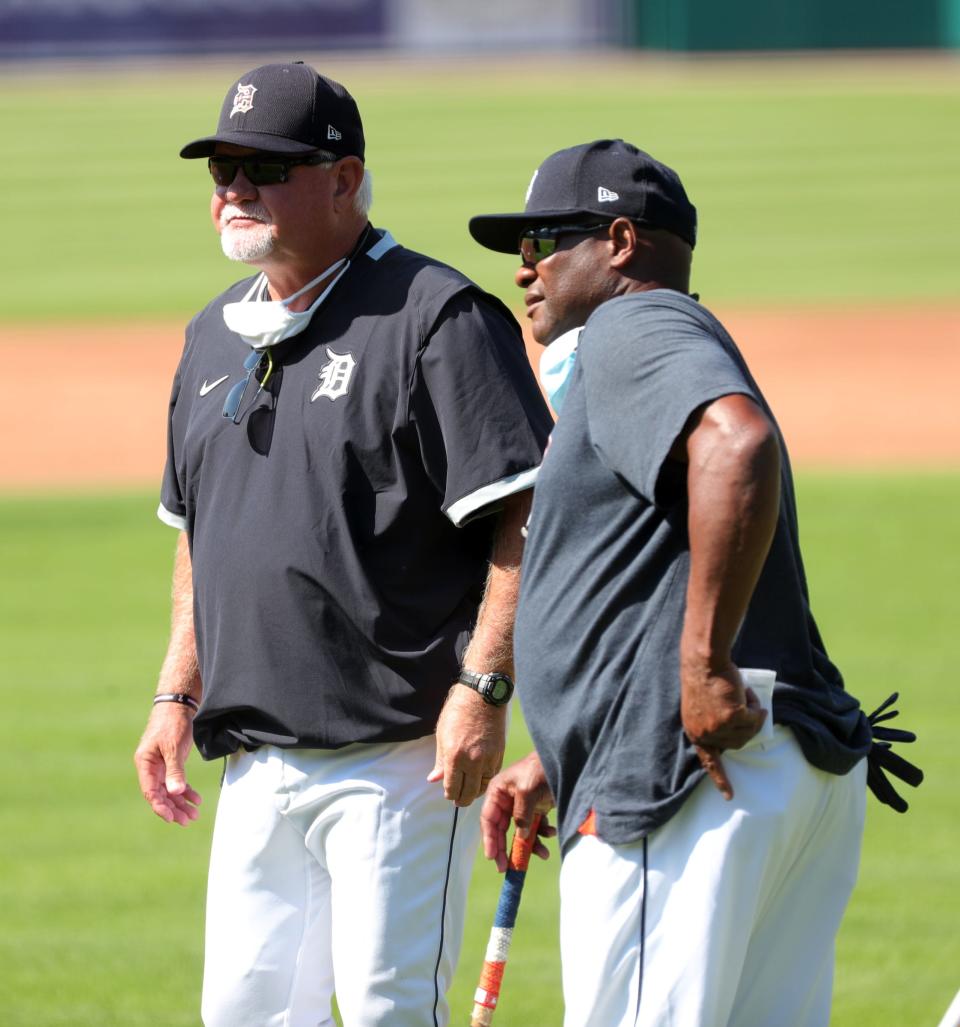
x=718, y=713
x=471, y=736
x=160, y=759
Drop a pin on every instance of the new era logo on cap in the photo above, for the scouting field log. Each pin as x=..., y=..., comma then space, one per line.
x=332, y=133
x=605, y=195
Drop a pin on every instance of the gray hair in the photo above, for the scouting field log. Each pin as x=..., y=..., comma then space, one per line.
x=363, y=200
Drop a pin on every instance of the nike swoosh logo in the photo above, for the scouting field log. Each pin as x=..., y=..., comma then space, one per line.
x=210, y=386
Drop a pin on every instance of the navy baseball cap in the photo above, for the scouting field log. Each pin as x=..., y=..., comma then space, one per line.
x=608, y=178
x=286, y=108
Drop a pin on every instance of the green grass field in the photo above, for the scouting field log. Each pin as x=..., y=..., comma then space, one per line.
x=102, y=903
x=817, y=183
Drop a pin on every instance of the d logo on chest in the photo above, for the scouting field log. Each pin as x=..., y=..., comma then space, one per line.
x=334, y=376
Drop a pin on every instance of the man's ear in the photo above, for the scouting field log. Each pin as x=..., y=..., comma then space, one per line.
x=625, y=242
x=349, y=179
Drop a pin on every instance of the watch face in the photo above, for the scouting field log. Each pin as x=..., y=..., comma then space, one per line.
x=499, y=689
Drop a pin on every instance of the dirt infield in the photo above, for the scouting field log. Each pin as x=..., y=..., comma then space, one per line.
x=84, y=408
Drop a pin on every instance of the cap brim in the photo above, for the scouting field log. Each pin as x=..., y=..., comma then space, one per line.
x=501, y=232
x=207, y=146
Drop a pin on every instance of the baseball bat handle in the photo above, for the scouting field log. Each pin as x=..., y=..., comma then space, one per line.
x=522, y=847
x=491, y=978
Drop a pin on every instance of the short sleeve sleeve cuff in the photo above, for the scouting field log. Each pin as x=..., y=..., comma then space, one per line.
x=177, y=521
x=487, y=499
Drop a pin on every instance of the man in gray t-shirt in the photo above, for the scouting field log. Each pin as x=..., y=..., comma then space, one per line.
x=706, y=762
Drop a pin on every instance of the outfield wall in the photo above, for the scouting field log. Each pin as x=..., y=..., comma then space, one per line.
x=59, y=28
x=705, y=25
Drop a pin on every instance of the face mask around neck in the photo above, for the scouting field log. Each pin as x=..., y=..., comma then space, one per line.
x=556, y=366
x=263, y=323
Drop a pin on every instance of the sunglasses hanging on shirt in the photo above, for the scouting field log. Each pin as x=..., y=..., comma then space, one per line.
x=231, y=405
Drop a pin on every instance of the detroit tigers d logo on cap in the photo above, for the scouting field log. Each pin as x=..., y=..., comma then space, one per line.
x=243, y=101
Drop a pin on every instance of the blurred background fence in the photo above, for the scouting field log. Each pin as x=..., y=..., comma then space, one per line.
x=63, y=28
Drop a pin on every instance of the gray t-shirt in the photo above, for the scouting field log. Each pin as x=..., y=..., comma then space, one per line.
x=605, y=576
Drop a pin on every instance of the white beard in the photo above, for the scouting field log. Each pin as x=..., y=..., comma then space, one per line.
x=247, y=245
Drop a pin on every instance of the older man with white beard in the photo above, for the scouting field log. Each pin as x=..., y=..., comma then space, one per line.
x=353, y=435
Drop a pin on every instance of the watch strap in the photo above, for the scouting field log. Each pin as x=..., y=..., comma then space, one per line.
x=471, y=679
x=485, y=685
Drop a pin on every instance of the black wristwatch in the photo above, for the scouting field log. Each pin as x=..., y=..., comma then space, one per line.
x=495, y=689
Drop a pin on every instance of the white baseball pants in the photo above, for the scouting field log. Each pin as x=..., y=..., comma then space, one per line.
x=727, y=914
x=335, y=871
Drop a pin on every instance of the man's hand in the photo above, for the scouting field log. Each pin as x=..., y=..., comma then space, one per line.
x=718, y=713
x=517, y=793
x=160, y=759
x=471, y=736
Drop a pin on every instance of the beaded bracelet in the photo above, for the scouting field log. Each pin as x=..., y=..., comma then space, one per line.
x=179, y=697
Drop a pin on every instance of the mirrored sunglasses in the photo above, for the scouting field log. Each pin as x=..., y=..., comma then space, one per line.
x=258, y=170
x=537, y=243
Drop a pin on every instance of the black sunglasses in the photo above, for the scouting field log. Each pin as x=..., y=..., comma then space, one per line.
x=258, y=170
x=537, y=243
x=231, y=405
